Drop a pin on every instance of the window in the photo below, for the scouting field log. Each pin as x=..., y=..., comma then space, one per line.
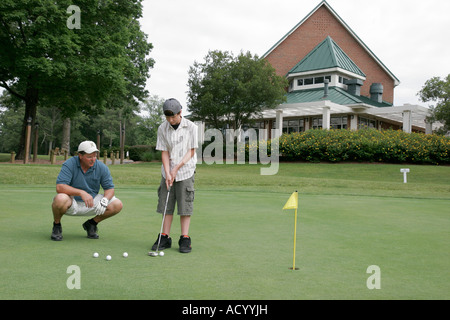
x=342, y=80
x=294, y=125
x=317, y=123
x=338, y=122
x=318, y=80
x=309, y=81
x=366, y=123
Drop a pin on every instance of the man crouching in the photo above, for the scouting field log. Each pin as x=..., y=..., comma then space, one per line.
x=78, y=185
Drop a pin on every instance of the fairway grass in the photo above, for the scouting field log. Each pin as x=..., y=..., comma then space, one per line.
x=350, y=217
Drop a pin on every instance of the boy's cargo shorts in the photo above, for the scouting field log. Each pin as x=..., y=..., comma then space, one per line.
x=181, y=193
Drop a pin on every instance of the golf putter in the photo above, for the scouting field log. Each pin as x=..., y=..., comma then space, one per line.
x=155, y=253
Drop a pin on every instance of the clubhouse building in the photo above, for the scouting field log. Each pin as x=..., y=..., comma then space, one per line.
x=335, y=81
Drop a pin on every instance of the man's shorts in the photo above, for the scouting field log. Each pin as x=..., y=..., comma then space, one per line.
x=78, y=208
x=181, y=193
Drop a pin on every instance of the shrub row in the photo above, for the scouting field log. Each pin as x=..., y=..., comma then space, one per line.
x=368, y=145
x=144, y=153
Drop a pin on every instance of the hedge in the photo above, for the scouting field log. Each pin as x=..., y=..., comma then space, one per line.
x=368, y=145
x=144, y=153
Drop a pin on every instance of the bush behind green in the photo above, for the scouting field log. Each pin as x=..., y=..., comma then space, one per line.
x=368, y=145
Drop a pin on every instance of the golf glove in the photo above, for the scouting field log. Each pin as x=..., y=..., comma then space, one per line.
x=101, y=206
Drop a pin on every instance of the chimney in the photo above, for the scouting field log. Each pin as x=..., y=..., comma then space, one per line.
x=325, y=89
x=376, y=92
x=354, y=86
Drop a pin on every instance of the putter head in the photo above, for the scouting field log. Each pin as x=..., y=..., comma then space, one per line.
x=153, y=254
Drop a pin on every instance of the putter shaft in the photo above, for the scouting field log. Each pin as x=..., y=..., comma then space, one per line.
x=164, y=216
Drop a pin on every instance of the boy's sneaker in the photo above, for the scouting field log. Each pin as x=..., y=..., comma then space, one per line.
x=166, y=242
x=57, y=233
x=185, y=244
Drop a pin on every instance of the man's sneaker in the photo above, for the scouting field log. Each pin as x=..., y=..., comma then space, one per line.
x=166, y=242
x=91, y=230
x=57, y=233
x=185, y=244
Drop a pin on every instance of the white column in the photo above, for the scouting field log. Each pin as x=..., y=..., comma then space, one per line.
x=326, y=118
x=407, y=121
x=279, y=123
x=428, y=127
x=307, y=124
x=354, y=122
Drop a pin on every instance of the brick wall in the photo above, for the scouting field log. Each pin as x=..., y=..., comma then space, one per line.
x=314, y=30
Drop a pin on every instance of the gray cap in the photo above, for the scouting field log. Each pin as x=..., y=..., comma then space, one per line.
x=171, y=107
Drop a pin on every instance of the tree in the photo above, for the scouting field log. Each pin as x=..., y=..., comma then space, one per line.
x=75, y=69
x=438, y=91
x=230, y=90
x=148, y=122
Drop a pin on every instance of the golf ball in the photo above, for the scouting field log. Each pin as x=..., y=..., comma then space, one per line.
x=125, y=254
x=108, y=257
x=161, y=253
x=95, y=255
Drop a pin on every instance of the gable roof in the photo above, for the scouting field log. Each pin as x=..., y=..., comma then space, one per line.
x=325, y=55
x=351, y=32
x=335, y=95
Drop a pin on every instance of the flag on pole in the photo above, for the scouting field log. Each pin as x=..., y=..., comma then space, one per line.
x=292, y=203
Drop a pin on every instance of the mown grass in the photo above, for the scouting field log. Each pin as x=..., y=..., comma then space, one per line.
x=351, y=216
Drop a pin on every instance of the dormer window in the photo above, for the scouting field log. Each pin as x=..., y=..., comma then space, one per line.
x=311, y=81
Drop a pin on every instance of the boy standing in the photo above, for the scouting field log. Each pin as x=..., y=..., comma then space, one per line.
x=177, y=140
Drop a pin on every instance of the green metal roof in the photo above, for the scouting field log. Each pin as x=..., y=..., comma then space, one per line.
x=335, y=95
x=325, y=55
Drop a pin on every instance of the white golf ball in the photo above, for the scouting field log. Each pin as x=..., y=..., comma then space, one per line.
x=161, y=253
x=125, y=254
x=95, y=255
x=108, y=257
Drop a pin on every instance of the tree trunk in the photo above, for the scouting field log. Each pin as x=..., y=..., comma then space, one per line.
x=31, y=102
x=65, y=144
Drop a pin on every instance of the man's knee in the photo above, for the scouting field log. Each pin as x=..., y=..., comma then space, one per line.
x=62, y=201
x=117, y=206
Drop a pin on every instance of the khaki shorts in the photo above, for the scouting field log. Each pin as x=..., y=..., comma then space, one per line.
x=78, y=208
x=181, y=193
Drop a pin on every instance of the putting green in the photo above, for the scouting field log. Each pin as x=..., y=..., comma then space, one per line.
x=242, y=248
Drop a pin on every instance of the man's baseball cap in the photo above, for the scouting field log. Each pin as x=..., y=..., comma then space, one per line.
x=171, y=107
x=87, y=147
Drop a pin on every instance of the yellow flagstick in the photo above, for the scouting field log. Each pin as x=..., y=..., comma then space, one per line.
x=295, y=238
x=292, y=203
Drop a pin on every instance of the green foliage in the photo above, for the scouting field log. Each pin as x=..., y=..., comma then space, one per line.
x=229, y=90
x=45, y=62
x=365, y=145
x=144, y=153
x=438, y=91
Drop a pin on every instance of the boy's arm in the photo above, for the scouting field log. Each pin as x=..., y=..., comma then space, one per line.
x=183, y=161
x=171, y=175
x=166, y=163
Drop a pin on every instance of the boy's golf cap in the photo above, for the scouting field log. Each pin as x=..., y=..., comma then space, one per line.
x=87, y=147
x=171, y=107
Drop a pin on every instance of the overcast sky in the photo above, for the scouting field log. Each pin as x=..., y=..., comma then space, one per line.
x=409, y=36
